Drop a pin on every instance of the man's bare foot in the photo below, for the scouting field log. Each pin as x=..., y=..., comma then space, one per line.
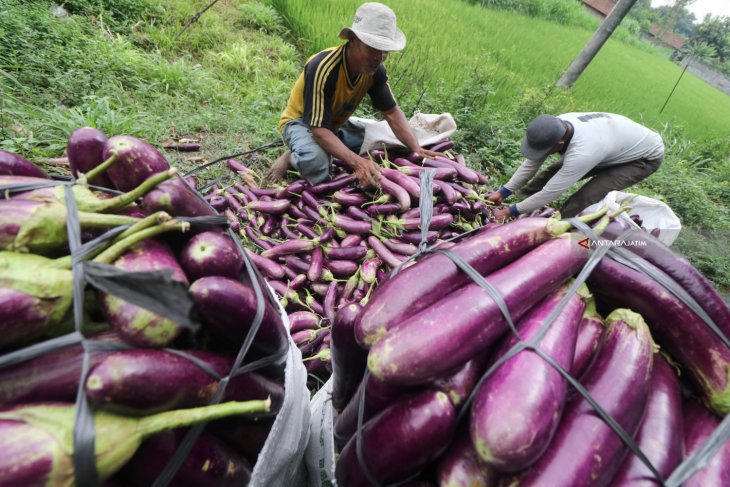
x=279, y=168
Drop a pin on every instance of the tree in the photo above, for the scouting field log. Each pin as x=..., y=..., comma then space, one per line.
x=675, y=17
x=714, y=31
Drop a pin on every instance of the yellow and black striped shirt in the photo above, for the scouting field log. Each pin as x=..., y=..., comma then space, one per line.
x=325, y=96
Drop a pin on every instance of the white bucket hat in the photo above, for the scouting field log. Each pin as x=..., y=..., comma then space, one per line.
x=374, y=25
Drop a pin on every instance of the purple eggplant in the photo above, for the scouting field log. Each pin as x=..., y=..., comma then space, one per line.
x=289, y=247
x=517, y=409
x=341, y=268
x=227, y=307
x=315, y=266
x=590, y=334
x=271, y=268
x=414, y=430
x=384, y=252
x=678, y=268
x=176, y=198
x=464, y=173
x=37, y=440
x=332, y=185
x=397, y=191
x=38, y=292
x=408, y=183
x=210, y=462
x=293, y=189
x=211, y=254
x=619, y=382
x=276, y=207
x=378, y=396
x=85, y=150
x=349, y=199
x=400, y=247
x=460, y=384
x=699, y=423
x=467, y=322
x=148, y=381
x=303, y=320
x=435, y=276
x=352, y=253
x=53, y=376
x=660, y=437
x=13, y=164
x=137, y=325
x=349, y=360
x=137, y=161
x=461, y=466
x=676, y=327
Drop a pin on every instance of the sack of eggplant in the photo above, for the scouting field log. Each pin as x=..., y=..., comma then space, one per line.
x=535, y=353
x=325, y=248
x=114, y=382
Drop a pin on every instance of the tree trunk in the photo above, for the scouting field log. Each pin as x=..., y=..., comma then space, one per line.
x=609, y=24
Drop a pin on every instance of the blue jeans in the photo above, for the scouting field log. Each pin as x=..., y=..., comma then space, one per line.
x=308, y=157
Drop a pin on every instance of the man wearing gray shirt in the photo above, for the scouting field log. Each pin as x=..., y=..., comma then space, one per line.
x=612, y=150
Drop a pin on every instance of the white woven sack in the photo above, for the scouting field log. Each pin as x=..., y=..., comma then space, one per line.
x=428, y=129
x=320, y=455
x=281, y=461
x=655, y=215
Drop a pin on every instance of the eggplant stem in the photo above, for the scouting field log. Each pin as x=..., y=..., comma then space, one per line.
x=98, y=170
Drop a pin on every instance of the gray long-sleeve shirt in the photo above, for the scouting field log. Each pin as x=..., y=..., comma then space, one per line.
x=599, y=140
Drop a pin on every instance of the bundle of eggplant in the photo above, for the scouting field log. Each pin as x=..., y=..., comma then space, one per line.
x=520, y=357
x=324, y=248
x=177, y=329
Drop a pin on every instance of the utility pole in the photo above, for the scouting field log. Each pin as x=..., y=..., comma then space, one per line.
x=609, y=24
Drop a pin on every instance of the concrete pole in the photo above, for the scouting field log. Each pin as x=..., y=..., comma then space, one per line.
x=609, y=24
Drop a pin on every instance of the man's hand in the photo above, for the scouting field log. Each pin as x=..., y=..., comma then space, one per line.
x=367, y=173
x=495, y=197
x=423, y=153
x=501, y=214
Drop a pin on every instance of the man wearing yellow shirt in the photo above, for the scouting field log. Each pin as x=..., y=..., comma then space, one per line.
x=315, y=124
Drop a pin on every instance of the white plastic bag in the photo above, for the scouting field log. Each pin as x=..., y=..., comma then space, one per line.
x=281, y=460
x=657, y=217
x=428, y=128
x=320, y=455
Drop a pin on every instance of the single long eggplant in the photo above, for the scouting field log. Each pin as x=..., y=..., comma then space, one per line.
x=677, y=328
x=211, y=254
x=699, y=423
x=467, y=322
x=85, y=150
x=13, y=164
x=396, y=191
x=228, y=308
x=585, y=450
x=414, y=430
x=590, y=334
x=660, y=437
x=148, y=381
x=53, y=376
x=517, y=409
x=210, y=462
x=136, y=325
x=436, y=275
x=37, y=440
x=349, y=360
x=289, y=247
x=137, y=161
x=176, y=198
x=461, y=466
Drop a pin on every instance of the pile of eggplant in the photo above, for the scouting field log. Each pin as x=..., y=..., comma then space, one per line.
x=518, y=356
x=324, y=248
x=176, y=327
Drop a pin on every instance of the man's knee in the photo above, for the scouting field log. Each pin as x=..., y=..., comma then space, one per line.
x=313, y=163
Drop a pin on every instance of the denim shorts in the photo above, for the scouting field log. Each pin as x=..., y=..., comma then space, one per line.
x=307, y=157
